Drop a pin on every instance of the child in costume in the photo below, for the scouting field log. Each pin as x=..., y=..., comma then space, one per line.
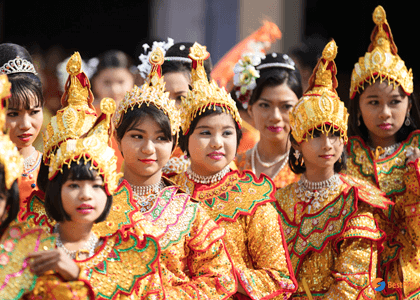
x=383, y=150
x=74, y=119
x=332, y=236
x=17, y=241
x=270, y=86
x=194, y=261
x=24, y=115
x=82, y=180
x=239, y=202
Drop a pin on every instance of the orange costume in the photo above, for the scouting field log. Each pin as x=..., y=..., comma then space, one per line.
x=387, y=169
x=332, y=235
x=27, y=183
x=238, y=202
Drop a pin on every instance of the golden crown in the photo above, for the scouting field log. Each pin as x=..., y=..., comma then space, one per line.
x=381, y=61
x=94, y=147
x=77, y=115
x=204, y=94
x=152, y=92
x=10, y=157
x=320, y=107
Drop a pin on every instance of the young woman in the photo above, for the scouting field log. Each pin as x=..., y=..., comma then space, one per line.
x=24, y=115
x=384, y=151
x=17, y=241
x=275, y=90
x=79, y=194
x=194, y=261
x=332, y=235
x=239, y=202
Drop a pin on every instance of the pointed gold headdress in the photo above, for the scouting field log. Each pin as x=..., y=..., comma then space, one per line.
x=151, y=92
x=95, y=147
x=77, y=114
x=381, y=61
x=204, y=94
x=10, y=157
x=320, y=107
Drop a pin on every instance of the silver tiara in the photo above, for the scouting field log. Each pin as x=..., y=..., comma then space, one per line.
x=288, y=64
x=275, y=64
x=178, y=58
x=18, y=65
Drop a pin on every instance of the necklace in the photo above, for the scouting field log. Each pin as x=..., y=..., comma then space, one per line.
x=267, y=164
x=90, y=245
x=284, y=156
x=317, y=192
x=146, y=195
x=207, y=179
x=30, y=160
x=385, y=151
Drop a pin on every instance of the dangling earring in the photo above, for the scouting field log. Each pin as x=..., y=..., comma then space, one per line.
x=339, y=160
x=296, y=155
x=358, y=122
x=407, y=121
x=302, y=161
x=185, y=153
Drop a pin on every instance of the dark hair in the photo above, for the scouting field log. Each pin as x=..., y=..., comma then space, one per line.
x=53, y=202
x=136, y=115
x=363, y=132
x=309, y=50
x=184, y=139
x=113, y=59
x=12, y=200
x=182, y=50
x=298, y=168
x=25, y=86
x=42, y=178
x=275, y=76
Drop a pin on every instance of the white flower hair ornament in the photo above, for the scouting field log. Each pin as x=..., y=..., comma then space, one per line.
x=145, y=67
x=246, y=75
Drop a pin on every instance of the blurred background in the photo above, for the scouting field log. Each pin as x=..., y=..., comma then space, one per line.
x=53, y=31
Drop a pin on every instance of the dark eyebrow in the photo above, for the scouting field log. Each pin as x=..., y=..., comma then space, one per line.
x=142, y=131
x=209, y=127
x=281, y=101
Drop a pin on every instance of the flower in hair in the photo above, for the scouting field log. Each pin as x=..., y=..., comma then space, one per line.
x=145, y=67
x=246, y=75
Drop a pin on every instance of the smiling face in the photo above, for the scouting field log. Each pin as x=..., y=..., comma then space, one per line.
x=321, y=152
x=146, y=151
x=212, y=145
x=24, y=124
x=84, y=200
x=271, y=112
x=177, y=84
x=383, y=110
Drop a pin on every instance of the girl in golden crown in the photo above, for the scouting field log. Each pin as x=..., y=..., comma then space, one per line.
x=239, y=202
x=17, y=241
x=82, y=181
x=194, y=260
x=384, y=150
x=332, y=236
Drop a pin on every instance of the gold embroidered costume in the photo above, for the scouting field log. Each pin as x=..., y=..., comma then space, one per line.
x=283, y=178
x=331, y=233
x=240, y=203
x=194, y=261
x=388, y=169
x=125, y=262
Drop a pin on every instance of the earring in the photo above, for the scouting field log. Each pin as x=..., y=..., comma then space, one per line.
x=296, y=155
x=185, y=153
x=339, y=160
x=302, y=161
x=358, y=122
x=407, y=121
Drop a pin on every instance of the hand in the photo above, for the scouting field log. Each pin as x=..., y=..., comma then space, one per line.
x=413, y=154
x=56, y=260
